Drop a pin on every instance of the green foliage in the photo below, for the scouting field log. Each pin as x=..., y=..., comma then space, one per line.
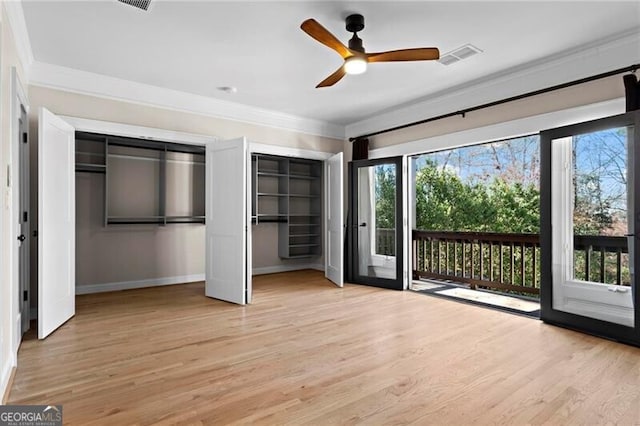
x=445, y=203
x=385, y=187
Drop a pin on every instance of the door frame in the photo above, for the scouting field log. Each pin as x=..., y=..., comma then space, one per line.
x=400, y=281
x=18, y=102
x=283, y=151
x=548, y=314
x=134, y=131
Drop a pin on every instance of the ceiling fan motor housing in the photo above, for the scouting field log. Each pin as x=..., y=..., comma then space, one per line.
x=355, y=23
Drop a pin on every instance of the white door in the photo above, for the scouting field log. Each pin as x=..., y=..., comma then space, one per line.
x=227, y=218
x=56, y=222
x=334, y=220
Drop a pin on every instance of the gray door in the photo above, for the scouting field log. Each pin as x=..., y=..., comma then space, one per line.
x=25, y=217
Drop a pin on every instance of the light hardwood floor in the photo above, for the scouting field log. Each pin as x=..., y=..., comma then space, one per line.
x=307, y=352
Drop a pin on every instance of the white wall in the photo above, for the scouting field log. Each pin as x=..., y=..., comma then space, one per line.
x=8, y=58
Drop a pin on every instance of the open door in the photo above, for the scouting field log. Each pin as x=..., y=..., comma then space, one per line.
x=56, y=222
x=227, y=219
x=24, y=237
x=334, y=217
x=589, y=219
x=376, y=223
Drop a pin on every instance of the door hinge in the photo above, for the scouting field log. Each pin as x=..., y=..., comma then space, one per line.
x=25, y=295
x=25, y=216
x=25, y=137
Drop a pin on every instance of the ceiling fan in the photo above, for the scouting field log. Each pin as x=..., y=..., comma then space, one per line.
x=355, y=57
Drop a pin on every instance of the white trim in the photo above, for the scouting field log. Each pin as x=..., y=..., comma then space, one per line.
x=129, y=285
x=604, y=55
x=505, y=130
x=88, y=83
x=127, y=130
x=286, y=268
x=260, y=148
x=406, y=230
x=6, y=375
x=15, y=16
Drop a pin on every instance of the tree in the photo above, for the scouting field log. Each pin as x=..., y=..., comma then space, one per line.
x=385, y=190
x=445, y=203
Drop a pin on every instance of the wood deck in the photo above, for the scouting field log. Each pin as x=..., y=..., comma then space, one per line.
x=307, y=352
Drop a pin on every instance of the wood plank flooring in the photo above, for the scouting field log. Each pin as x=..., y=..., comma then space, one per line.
x=306, y=352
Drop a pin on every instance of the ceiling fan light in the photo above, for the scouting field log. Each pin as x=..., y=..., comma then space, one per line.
x=355, y=65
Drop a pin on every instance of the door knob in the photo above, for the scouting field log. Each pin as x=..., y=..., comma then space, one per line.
x=21, y=238
x=363, y=224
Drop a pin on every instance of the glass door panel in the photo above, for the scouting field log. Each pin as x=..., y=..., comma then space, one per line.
x=376, y=223
x=588, y=220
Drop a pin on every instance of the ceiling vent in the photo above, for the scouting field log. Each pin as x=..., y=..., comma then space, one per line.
x=140, y=4
x=459, y=54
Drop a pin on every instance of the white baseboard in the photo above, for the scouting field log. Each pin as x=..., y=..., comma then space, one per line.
x=17, y=327
x=286, y=268
x=128, y=285
x=317, y=267
x=7, y=369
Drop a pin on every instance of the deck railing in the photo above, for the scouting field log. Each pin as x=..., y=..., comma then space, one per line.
x=386, y=241
x=511, y=262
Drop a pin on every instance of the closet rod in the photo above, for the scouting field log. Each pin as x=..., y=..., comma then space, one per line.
x=463, y=112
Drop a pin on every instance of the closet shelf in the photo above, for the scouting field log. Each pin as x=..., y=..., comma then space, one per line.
x=271, y=194
x=304, y=196
x=272, y=174
x=305, y=177
x=91, y=168
x=303, y=235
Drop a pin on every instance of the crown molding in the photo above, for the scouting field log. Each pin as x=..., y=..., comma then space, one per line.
x=604, y=55
x=88, y=83
x=15, y=16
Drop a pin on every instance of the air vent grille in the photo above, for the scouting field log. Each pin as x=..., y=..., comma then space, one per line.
x=459, y=54
x=140, y=4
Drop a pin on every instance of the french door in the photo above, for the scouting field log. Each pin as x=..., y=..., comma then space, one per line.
x=376, y=223
x=589, y=214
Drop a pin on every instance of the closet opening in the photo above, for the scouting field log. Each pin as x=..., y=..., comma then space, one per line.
x=140, y=212
x=286, y=214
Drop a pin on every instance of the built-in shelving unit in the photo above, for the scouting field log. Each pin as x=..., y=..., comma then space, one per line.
x=287, y=191
x=145, y=182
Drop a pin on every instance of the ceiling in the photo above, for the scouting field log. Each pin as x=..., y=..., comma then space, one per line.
x=258, y=47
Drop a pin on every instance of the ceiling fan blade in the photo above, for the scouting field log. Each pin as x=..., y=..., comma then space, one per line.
x=333, y=78
x=419, y=54
x=320, y=33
